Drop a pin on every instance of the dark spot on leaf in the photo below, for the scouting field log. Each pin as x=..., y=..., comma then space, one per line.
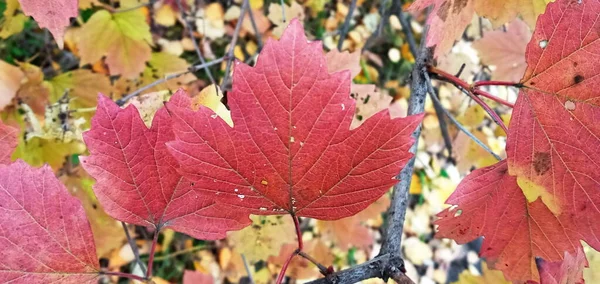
x=541, y=162
x=575, y=63
x=458, y=6
x=443, y=11
x=256, y=227
x=577, y=79
x=94, y=206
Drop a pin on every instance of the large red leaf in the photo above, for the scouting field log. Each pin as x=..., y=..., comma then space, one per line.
x=291, y=148
x=489, y=203
x=51, y=14
x=8, y=142
x=44, y=234
x=137, y=179
x=554, y=137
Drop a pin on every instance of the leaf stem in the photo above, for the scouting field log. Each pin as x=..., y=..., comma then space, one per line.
x=285, y=266
x=298, y=232
x=124, y=275
x=496, y=83
x=445, y=76
x=152, y=252
x=472, y=93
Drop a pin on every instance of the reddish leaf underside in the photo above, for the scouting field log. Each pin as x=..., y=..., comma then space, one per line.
x=290, y=149
x=137, y=179
x=489, y=203
x=44, y=234
x=553, y=144
x=8, y=142
x=570, y=270
x=51, y=14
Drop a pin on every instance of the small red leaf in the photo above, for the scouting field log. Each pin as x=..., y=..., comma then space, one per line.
x=8, y=142
x=291, y=149
x=137, y=179
x=489, y=203
x=44, y=236
x=51, y=14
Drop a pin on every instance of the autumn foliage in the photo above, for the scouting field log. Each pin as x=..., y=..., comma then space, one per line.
x=288, y=143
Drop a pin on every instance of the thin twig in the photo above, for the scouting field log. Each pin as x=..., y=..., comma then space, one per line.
x=247, y=267
x=236, y=33
x=346, y=26
x=179, y=252
x=282, y=10
x=321, y=267
x=257, y=34
x=439, y=109
x=406, y=27
x=123, y=275
x=195, y=68
x=188, y=26
x=134, y=248
x=437, y=102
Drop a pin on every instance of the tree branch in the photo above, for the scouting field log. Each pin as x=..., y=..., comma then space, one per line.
x=389, y=263
x=346, y=25
x=238, y=26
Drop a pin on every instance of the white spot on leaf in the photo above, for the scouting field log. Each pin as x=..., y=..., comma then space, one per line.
x=543, y=43
x=569, y=105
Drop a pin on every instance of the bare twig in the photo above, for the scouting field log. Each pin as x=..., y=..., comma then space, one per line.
x=134, y=248
x=346, y=26
x=257, y=34
x=282, y=10
x=321, y=267
x=236, y=33
x=410, y=38
x=188, y=26
x=124, y=275
x=195, y=68
x=439, y=112
x=247, y=267
x=437, y=102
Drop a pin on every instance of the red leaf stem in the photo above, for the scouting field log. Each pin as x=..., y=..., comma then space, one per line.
x=152, y=252
x=285, y=266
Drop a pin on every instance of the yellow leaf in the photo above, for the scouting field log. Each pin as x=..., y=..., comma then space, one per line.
x=122, y=37
x=165, y=15
x=276, y=16
x=316, y=6
x=210, y=21
x=501, y=12
x=211, y=97
x=12, y=23
x=263, y=238
x=83, y=85
x=488, y=277
x=472, y=117
x=415, y=185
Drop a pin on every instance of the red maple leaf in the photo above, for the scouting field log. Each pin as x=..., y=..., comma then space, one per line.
x=554, y=137
x=137, y=179
x=8, y=142
x=291, y=148
x=51, y=14
x=489, y=203
x=45, y=236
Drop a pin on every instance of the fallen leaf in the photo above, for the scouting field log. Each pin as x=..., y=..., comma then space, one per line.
x=487, y=276
x=83, y=86
x=282, y=16
x=13, y=22
x=52, y=14
x=10, y=82
x=290, y=149
x=125, y=41
x=505, y=50
x=196, y=277
x=263, y=238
